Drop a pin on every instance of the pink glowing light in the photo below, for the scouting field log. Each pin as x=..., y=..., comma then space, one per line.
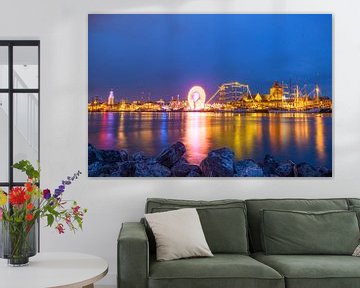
x=196, y=98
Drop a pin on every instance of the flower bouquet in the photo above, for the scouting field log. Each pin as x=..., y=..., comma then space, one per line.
x=21, y=208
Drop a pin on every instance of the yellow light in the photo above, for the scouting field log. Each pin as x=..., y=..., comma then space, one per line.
x=196, y=98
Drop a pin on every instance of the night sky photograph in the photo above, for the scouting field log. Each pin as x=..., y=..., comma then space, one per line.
x=165, y=55
x=210, y=95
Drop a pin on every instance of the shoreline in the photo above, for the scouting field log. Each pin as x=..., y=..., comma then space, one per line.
x=235, y=112
x=172, y=163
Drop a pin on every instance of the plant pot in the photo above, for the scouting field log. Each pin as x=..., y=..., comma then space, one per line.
x=17, y=242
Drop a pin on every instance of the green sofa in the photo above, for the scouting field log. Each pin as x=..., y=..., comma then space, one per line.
x=233, y=230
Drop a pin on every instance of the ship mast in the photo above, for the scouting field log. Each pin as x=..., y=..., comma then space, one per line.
x=297, y=95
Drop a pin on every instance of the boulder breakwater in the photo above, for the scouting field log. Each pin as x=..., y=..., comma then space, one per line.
x=172, y=163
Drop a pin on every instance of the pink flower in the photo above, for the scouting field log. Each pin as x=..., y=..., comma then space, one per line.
x=60, y=228
x=76, y=210
x=68, y=219
x=1, y=214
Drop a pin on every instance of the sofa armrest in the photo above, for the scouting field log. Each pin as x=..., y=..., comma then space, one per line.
x=133, y=256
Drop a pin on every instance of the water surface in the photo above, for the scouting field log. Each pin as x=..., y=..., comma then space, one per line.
x=295, y=136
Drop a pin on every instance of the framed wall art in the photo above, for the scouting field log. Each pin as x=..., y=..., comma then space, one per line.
x=210, y=95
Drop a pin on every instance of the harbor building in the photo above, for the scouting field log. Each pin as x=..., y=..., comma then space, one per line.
x=230, y=97
x=111, y=98
x=276, y=92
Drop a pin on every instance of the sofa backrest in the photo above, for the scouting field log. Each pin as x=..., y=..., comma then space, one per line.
x=353, y=202
x=255, y=206
x=223, y=221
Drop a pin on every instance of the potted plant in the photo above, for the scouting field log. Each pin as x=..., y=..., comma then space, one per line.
x=21, y=209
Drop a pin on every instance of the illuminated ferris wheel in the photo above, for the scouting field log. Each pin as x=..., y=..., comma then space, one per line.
x=196, y=98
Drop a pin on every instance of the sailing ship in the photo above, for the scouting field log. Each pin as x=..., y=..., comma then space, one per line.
x=299, y=101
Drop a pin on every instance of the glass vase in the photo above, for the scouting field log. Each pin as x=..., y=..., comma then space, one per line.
x=18, y=242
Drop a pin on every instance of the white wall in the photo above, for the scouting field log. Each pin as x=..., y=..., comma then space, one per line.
x=62, y=28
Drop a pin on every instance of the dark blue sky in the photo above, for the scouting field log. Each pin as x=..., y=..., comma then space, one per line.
x=166, y=55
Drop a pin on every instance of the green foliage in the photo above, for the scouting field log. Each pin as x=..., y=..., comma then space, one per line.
x=26, y=167
x=25, y=205
x=50, y=219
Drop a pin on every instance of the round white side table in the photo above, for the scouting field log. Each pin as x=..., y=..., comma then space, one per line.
x=50, y=270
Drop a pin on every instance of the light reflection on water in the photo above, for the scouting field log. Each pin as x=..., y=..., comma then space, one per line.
x=296, y=136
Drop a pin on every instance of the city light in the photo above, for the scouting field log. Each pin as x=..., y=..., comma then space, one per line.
x=230, y=97
x=111, y=98
x=196, y=98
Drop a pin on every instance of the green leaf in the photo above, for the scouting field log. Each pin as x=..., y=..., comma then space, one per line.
x=53, y=211
x=50, y=219
x=26, y=167
x=79, y=221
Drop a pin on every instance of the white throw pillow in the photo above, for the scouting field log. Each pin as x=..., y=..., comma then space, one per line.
x=357, y=251
x=178, y=234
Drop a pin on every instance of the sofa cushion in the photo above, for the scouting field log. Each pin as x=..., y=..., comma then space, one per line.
x=255, y=206
x=297, y=232
x=356, y=209
x=222, y=270
x=354, y=205
x=314, y=271
x=223, y=221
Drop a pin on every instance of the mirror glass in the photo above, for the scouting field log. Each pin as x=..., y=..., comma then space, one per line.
x=26, y=130
x=4, y=67
x=4, y=137
x=26, y=67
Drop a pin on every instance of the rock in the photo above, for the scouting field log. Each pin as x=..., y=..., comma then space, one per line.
x=151, y=160
x=94, y=169
x=109, y=156
x=170, y=162
x=195, y=169
x=248, y=168
x=324, y=172
x=169, y=156
x=158, y=170
x=108, y=169
x=224, y=152
x=91, y=154
x=138, y=156
x=306, y=170
x=182, y=169
x=144, y=169
x=285, y=169
x=112, y=156
x=269, y=165
x=125, y=169
x=218, y=163
x=101, y=169
x=182, y=160
x=193, y=173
